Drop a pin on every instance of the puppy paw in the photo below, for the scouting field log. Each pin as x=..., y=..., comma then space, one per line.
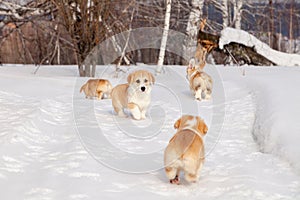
x=191, y=178
x=175, y=180
x=137, y=118
x=122, y=114
x=207, y=97
x=136, y=115
x=198, y=95
x=143, y=116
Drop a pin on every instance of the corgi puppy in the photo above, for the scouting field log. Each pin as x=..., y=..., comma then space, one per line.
x=100, y=88
x=185, y=150
x=134, y=95
x=201, y=83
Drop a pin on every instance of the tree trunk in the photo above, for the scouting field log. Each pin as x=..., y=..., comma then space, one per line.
x=87, y=69
x=225, y=13
x=193, y=25
x=291, y=28
x=164, y=37
x=238, y=4
x=273, y=39
x=93, y=69
x=81, y=70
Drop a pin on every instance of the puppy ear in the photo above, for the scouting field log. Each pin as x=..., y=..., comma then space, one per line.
x=201, y=126
x=177, y=123
x=151, y=78
x=129, y=78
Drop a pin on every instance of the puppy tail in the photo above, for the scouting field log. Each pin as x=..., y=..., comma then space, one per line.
x=82, y=87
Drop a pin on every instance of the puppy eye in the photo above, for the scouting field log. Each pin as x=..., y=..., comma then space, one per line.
x=146, y=81
x=138, y=81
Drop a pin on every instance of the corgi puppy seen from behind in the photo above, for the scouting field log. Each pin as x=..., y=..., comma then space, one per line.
x=201, y=83
x=185, y=150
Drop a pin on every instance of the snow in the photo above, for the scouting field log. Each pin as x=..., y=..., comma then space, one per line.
x=229, y=35
x=55, y=144
x=276, y=127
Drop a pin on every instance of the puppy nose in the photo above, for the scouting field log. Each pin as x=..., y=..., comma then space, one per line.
x=143, y=88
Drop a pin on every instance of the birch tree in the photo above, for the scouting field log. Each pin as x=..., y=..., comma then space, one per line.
x=164, y=37
x=193, y=24
x=223, y=7
x=225, y=12
x=238, y=4
x=291, y=12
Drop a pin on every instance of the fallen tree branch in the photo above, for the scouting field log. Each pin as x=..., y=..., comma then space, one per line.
x=207, y=43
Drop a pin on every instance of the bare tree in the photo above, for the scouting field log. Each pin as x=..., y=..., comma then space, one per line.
x=164, y=37
x=20, y=12
x=81, y=20
x=90, y=22
x=21, y=22
x=123, y=56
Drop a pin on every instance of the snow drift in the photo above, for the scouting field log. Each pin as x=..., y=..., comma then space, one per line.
x=276, y=126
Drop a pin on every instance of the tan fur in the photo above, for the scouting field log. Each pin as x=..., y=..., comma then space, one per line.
x=200, y=54
x=204, y=46
x=201, y=83
x=97, y=88
x=185, y=150
x=202, y=24
x=119, y=101
x=130, y=96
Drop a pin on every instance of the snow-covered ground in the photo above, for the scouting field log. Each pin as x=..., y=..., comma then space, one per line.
x=55, y=144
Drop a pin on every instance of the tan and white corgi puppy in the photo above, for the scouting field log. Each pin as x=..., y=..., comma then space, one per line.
x=185, y=150
x=100, y=88
x=134, y=95
x=201, y=83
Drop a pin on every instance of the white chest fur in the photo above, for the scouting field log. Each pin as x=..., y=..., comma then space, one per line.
x=142, y=99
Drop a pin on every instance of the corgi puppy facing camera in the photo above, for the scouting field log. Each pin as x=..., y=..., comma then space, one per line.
x=99, y=88
x=201, y=83
x=134, y=95
x=185, y=150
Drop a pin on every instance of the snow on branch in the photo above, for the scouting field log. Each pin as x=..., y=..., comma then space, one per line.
x=23, y=12
x=229, y=35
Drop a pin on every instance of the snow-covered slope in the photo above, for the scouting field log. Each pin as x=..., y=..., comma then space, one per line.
x=277, y=110
x=280, y=58
x=50, y=150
